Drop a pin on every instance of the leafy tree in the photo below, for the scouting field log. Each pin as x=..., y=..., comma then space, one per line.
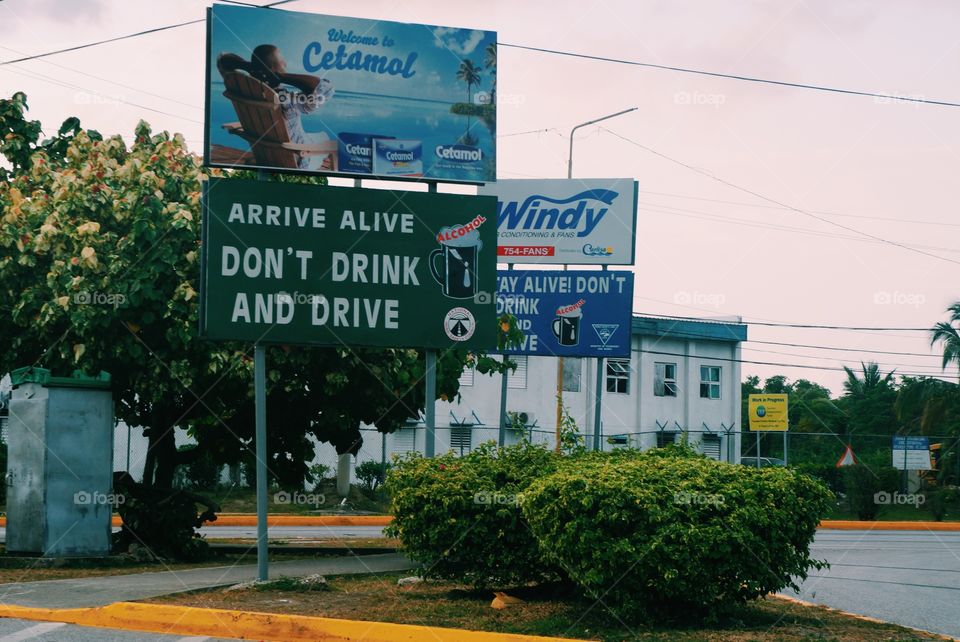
x=947, y=333
x=869, y=400
x=99, y=270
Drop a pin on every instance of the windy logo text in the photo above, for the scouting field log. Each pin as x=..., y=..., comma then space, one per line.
x=581, y=212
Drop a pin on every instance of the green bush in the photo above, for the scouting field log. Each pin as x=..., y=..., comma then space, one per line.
x=656, y=534
x=460, y=516
x=372, y=473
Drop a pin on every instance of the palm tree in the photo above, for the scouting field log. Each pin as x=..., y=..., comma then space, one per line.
x=490, y=62
x=948, y=334
x=872, y=380
x=470, y=74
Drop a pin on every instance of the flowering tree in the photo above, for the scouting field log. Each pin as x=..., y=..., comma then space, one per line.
x=99, y=270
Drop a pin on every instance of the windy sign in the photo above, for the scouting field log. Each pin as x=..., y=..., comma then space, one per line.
x=574, y=313
x=568, y=221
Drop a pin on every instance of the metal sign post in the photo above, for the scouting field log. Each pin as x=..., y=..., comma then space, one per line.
x=430, y=445
x=502, y=436
x=598, y=409
x=260, y=436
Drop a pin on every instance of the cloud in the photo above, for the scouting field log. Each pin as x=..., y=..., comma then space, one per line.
x=462, y=42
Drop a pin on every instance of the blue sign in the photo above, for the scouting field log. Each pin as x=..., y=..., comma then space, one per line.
x=574, y=313
x=911, y=443
x=302, y=92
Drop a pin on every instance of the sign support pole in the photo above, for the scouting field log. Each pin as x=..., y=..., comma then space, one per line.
x=598, y=410
x=430, y=445
x=757, y=432
x=785, y=460
x=502, y=436
x=260, y=399
x=430, y=438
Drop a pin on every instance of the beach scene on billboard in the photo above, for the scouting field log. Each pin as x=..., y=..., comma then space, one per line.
x=302, y=92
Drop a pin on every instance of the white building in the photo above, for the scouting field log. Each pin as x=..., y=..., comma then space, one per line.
x=682, y=380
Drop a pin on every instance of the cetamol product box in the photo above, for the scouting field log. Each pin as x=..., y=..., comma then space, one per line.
x=356, y=152
x=397, y=157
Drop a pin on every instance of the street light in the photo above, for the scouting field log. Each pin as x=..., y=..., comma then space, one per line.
x=596, y=427
x=589, y=122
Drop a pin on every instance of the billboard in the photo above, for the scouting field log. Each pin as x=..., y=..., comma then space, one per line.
x=303, y=92
x=768, y=412
x=565, y=221
x=569, y=313
x=316, y=265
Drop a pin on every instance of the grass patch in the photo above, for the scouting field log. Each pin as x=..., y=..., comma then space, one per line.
x=553, y=610
x=239, y=499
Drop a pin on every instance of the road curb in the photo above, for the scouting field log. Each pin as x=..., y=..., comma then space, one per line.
x=244, y=519
x=851, y=525
x=188, y=620
x=865, y=618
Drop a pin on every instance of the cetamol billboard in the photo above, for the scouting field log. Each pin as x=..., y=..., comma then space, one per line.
x=303, y=92
x=575, y=313
x=565, y=221
x=309, y=264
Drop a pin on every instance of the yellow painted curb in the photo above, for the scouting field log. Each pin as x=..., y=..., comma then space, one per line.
x=303, y=520
x=186, y=620
x=850, y=525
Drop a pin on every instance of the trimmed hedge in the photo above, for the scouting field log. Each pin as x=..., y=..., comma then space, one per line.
x=649, y=534
x=460, y=516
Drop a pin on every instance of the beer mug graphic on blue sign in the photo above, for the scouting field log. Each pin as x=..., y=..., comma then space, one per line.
x=454, y=265
x=566, y=325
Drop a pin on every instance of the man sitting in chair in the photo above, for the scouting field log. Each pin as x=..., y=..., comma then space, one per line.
x=267, y=65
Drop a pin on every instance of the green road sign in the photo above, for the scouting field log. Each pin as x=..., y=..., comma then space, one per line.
x=307, y=264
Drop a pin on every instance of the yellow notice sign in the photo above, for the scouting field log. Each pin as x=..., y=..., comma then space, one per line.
x=768, y=412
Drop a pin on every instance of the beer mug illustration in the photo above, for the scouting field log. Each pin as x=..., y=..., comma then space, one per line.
x=566, y=325
x=454, y=265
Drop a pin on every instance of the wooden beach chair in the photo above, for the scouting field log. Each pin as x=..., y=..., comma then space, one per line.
x=262, y=125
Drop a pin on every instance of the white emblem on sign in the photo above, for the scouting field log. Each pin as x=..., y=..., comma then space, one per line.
x=459, y=324
x=605, y=331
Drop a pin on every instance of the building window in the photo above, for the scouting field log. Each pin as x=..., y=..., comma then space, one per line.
x=710, y=382
x=466, y=377
x=618, y=376
x=665, y=438
x=518, y=378
x=572, y=369
x=665, y=379
x=461, y=439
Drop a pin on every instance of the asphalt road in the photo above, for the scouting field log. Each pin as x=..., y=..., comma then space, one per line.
x=24, y=630
x=906, y=577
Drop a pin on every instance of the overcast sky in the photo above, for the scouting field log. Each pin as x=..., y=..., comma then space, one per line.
x=704, y=248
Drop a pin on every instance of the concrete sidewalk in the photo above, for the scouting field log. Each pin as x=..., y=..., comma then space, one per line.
x=100, y=591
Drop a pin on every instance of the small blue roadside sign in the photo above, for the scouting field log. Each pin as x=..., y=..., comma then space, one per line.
x=911, y=453
x=572, y=313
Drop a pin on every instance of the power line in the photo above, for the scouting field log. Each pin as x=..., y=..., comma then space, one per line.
x=771, y=363
x=715, y=74
x=798, y=325
x=128, y=36
x=776, y=207
x=776, y=202
x=706, y=216
x=930, y=369
x=818, y=347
